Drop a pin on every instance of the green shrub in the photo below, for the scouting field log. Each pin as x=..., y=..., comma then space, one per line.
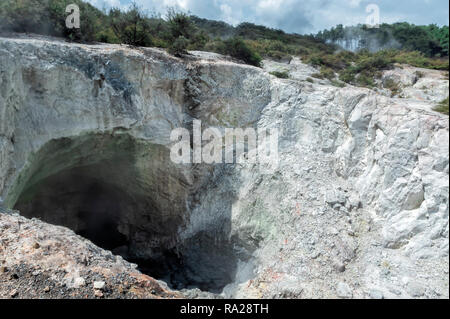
x=237, y=48
x=26, y=16
x=132, y=26
x=317, y=76
x=419, y=60
x=198, y=41
x=366, y=80
x=215, y=46
x=107, y=36
x=348, y=75
x=310, y=80
x=337, y=83
x=280, y=74
x=373, y=63
x=180, y=24
x=179, y=46
x=393, y=86
x=327, y=73
x=443, y=107
x=48, y=17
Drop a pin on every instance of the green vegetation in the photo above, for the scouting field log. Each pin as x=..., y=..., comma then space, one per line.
x=337, y=83
x=443, y=107
x=393, y=86
x=131, y=27
x=178, y=32
x=280, y=74
x=237, y=48
x=48, y=17
x=430, y=40
x=363, y=68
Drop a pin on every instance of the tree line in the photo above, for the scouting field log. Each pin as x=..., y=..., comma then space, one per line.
x=431, y=40
x=176, y=31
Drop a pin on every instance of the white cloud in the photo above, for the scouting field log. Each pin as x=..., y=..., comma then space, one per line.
x=354, y=3
x=183, y=4
x=270, y=4
x=227, y=14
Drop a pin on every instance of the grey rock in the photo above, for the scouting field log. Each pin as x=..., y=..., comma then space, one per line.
x=415, y=289
x=80, y=282
x=376, y=294
x=343, y=290
x=99, y=285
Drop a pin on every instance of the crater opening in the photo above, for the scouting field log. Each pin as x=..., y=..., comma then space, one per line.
x=125, y=196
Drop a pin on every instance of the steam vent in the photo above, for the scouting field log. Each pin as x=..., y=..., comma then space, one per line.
x=357, y=207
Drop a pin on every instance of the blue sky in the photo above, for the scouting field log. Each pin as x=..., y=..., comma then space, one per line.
x=301, y=16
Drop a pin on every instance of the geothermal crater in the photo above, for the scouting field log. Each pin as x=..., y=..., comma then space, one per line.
x=358, y=206
x=96, y=186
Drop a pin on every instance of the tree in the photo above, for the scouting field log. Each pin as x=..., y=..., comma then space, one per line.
x=24, y=16
x=131, y=27
x=184, y=34
x=90, y=24
x=180, y=24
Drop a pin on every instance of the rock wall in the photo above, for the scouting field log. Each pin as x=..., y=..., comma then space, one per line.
x=358, y=206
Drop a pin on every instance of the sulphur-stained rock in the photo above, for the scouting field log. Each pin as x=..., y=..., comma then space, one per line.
x=357, y=206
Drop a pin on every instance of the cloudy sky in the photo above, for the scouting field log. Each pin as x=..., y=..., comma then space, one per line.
x=300, y=16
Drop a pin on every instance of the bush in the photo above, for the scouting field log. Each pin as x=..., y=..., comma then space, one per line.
x=327, y=73
x=179, y=46
x=107, y=36
x=418, y=59
x=348, y=75
x=337, y=83
x=237, y=48
x=131, y=27
x=393, y=86
x=198, y=41
x=365, y=80
x=180, y=24
x=48, y=17
x=280, y=75
x=317, y=76
x=373, y=63
x=443, y=107
x=25, y=16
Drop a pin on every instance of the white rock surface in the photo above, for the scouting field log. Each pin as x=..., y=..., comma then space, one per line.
x=362, y=182
x=419, y=84
x=99, y=285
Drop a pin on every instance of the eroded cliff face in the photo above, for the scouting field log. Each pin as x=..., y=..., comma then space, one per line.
x=358, y=206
